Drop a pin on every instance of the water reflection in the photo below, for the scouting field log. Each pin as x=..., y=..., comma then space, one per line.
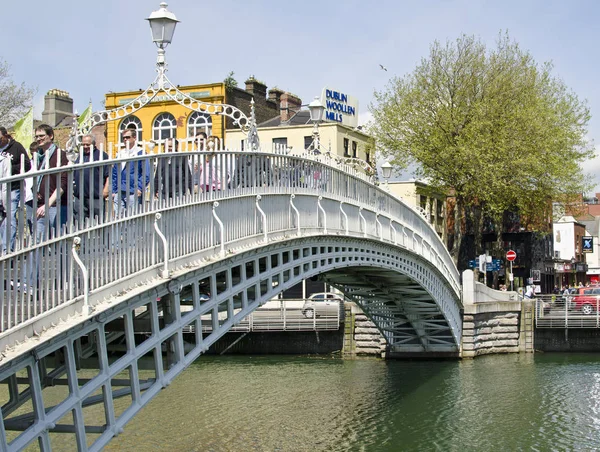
x=512, y=402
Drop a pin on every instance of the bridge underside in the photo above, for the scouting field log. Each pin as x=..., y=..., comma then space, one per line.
x=70, y=384
x=406, y=314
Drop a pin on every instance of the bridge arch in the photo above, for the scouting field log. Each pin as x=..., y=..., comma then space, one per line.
x=247, y=243
x=160, y=317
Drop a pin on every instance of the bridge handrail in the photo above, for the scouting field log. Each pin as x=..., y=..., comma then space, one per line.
x=37, y=283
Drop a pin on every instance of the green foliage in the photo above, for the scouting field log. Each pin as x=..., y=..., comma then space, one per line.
x=230, y=81
x=491, y=126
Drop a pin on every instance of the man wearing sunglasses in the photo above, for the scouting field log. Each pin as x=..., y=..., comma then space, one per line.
x=130, y=179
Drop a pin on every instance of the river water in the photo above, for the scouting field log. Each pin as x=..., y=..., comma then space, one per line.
x=264, y=403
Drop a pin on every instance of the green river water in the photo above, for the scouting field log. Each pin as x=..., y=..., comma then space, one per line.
x=276, y=403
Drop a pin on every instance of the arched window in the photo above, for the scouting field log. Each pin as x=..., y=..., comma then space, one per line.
x=131, y=122
x=164, y=127
x=199, y=122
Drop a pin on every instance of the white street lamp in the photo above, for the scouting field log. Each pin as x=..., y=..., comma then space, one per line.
x=162, y=26
x=316, y=109
x=386, y=172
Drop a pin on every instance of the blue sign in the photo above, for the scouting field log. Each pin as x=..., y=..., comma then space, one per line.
x=493, y=266
x=587, y=244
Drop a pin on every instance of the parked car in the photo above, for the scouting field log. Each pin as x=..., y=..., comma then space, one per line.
x=322, y=304
x=568, y=299
x=587, y=299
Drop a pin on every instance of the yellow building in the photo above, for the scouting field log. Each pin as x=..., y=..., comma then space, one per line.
x=163, y=118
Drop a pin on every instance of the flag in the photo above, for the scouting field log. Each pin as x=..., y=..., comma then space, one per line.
x=23, y=130
x=85, y=115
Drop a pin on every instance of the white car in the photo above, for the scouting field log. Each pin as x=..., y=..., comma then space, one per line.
x=322, y=304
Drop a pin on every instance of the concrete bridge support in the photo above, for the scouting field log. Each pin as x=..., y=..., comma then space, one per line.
x=494, y=321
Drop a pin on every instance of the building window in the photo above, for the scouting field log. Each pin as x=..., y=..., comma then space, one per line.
x=354, y=149
x=346, y=143
x=279, y=143
x=164, y=127
x=368, y=157
x=131, y=122
x=307, y=142
x=199, y=122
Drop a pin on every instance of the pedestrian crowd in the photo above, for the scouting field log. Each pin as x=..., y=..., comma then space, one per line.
x=37, y=208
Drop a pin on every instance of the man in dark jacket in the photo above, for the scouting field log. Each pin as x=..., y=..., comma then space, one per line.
x=92, y=184
x=173, y=174
x=16, y=192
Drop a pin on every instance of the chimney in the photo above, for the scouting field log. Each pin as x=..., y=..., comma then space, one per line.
x=58, y=105
x=275, y=95
x=256, y=88
x=290, y=104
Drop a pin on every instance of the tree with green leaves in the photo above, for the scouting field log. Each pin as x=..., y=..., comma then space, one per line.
x=491, y=128
x=230, y=81
x=15, y=99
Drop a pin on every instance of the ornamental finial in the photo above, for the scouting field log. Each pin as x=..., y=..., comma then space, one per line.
x=253, y=141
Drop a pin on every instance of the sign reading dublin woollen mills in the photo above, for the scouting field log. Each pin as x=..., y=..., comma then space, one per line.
x=340, y=107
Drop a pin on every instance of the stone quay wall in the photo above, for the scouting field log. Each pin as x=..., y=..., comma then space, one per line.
x=491, y=332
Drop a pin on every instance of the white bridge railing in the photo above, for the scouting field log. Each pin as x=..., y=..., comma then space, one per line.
x=191, y=206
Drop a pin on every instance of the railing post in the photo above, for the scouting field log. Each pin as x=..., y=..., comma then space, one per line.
x=165, y=271
x=297, y=213
x=220, y=223
x=324, y=214
x=379, y=227
x=363, y=221
x=394, y=231
x=263, y=217
x=84, y=273
x=345, y=216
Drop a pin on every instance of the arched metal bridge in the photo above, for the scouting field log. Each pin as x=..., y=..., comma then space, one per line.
x=141, y=276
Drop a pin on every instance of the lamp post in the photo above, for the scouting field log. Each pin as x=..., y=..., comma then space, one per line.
x=162, y=25
x=574, y=270
x=316, y=109
x=386, y=172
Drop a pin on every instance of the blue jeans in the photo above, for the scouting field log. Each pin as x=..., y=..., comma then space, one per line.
x=15, y=201
x=45, y=228
x=124, y=202
x=50, y=220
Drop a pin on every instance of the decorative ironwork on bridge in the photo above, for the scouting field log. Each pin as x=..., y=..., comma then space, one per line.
x=163, y=24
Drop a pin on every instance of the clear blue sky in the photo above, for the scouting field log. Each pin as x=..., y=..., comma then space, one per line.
x=91, y=47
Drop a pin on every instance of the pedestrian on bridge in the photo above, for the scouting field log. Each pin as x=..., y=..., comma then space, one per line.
x=51, y=212
x=15, y=161
x=91, y=184
x=200, y=145
x=173, y=175
x=130, y=179
x=214, y=172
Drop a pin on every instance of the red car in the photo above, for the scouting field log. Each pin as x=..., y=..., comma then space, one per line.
x=587, y=300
